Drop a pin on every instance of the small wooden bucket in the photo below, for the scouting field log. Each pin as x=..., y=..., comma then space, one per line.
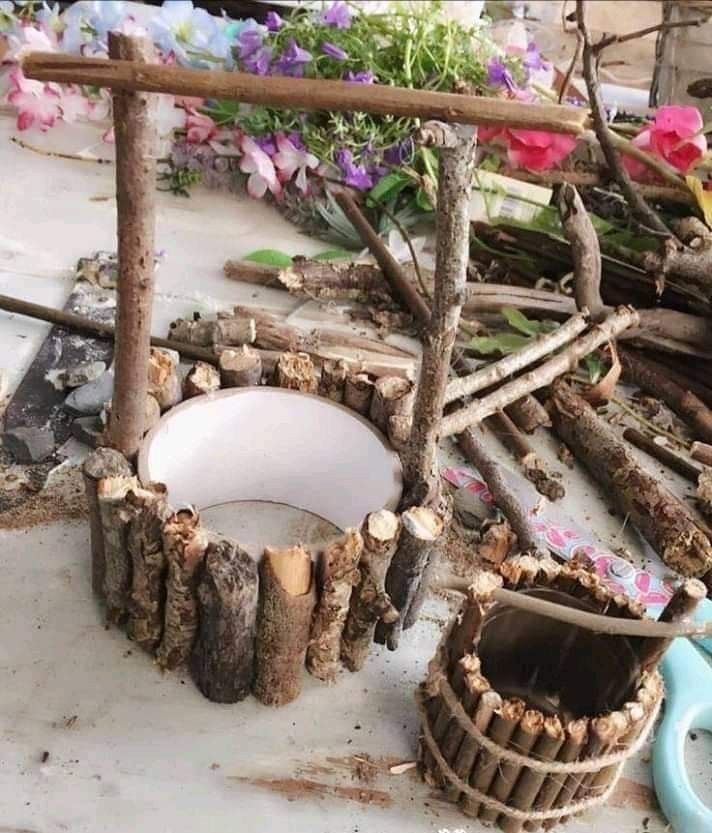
x=526, y=720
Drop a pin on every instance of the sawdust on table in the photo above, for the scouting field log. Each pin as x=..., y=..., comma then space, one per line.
x=294, y=789
x=60, y=499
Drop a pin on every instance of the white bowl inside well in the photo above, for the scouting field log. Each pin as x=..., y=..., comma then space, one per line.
x=275, y=445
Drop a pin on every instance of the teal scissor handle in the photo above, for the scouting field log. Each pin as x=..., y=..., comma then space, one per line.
x=688, y=705
x=703, y=614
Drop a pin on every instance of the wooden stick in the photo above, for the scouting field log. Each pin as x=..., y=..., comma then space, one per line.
x=287, y=600
x=702, y=453
x=452, y=254
x=661, y=518
x=149, y=511
x=528, y=414
x=111, y=494
x=402, y=287
x=585, y=251
x=295, y=371
x=576, y=739
x=504, y=724
x=339, y=575
x=534, y=468
x=240, y=368
x=672, y=460
x=537, y=348
x=369, y=600
x=682, y=604
x=527, y=787
x=136, y=144
x=163, y=380
x=421, y=528
x=657, y=382
x=222, y=663
x=525, y=736
x=202, y=378
x=474, y=450
x=358, y=393
x=184, y=543
x=543, y=375
x=303, y=94
x=333, y=380
x=100, y=464
x=391, y=396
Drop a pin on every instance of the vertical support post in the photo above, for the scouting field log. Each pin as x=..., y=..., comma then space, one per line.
x=453, y=239
x=136, y=146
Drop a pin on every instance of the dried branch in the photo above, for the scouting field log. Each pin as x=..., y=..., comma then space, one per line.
x=641, y=210
x=496, y=372
x=543, y=375
x=585, y=251
x=669, y=458
x=575, y=58
x=609, y=40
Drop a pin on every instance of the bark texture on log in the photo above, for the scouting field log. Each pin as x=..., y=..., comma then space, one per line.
x=202, y=378
x=184, y=543
x=222, y=662
x=453, y=236
x=420, y=531
x=702, y=452
x=149, y=511
x=295, y=371
x=136, y=146
x=198, y=331
x=657, y=382
x=115, y=515
x=102, y=463
x=333, y=380
x=391, y=395
x=339, y=575
x=286, y=602
x=661, y=518
x=240, y=368
x=163, y=379
x=235, y=332
x=669, y=458
x=369, y=600
x=358, y=393
x=704, y=493
x=528, y=414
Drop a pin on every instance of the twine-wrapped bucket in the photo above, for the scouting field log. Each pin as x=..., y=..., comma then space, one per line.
x=527, y=721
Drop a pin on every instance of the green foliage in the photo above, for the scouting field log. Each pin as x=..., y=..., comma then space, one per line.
x=269, y=257
x=178, y=180
x=594, y=366
x=523, y=330
x=334, y=254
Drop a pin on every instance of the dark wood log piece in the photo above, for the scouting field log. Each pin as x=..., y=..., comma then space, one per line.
x=111, y=494
x=333, y=380
x=358, y=393
x=222, y=662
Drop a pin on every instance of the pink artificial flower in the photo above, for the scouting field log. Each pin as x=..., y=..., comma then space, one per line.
x=36, y=103
x=289, y=158
x=30, y=39
x=190, y=102
x=262, y=172
x=73, y=104
x=537, y=150
x=675, y=136
x=168, y=116
x=200, y=128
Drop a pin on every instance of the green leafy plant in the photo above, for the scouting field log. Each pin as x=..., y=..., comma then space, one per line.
x=522, y=331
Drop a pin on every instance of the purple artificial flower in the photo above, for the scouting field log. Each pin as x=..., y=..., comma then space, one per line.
x=259, y=62
x=292, y=60
x=296, y=139
x=333, y=51
x=354, y=175
x=532, y=60
x=399, y=153
x=266, y=143
x=363, y=76
x=273, y=22
x=498, y=75
x=248, y=42
x=337, y=15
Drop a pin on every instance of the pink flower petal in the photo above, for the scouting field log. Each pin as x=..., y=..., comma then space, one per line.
x=682, y=121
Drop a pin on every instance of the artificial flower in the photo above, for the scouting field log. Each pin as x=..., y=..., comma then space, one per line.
x=249, y=40
x=199, y=127
x=7, y=16
x=537, y=150
x=354, y=175
x=334, y=51
x=363, y=76
x=273, y=22
x=674, y=135
x=87, y=25
x=259, y=166
x=293, y=59
x=498, y=75
x=290, y=159
x=29, y=39
x=73, y=104
x=193, y=35
x=168, y=116
x=266, y=143
x=259, y=62
x=337, y=15
x=36, y=103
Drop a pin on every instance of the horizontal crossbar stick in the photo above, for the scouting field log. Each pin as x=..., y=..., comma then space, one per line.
x=303, y=93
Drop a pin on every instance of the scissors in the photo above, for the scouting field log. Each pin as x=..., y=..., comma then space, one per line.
x=688, y=705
